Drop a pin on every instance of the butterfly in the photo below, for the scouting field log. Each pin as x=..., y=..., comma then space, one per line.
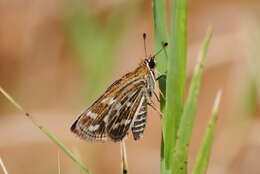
x=122, y=107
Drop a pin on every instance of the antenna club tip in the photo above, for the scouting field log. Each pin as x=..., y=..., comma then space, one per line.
x=144, y=35
x=165, y=44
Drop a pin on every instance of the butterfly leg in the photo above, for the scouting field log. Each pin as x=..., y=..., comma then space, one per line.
x=156, y=96
x=156, y=109
x=152, y=104
x=162, y=76
x=161, y=94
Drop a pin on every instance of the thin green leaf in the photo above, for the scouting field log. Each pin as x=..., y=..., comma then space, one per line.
x=11, y=100
x=202, y=160
x=176, y=76
x=160, y=33
x=46, y=132
x=180, y=155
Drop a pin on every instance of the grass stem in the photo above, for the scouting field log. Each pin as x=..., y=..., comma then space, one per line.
x=46, y=132
x=3, y=166
x=124, y=157
x=202, y=159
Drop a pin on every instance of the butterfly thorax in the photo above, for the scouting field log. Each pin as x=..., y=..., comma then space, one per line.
x=150, y=64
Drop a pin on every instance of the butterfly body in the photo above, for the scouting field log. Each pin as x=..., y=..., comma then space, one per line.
x=123, y=107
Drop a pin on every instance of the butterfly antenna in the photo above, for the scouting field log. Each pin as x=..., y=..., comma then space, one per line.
x=165, y=52
x=144, y=38
x=164, y=44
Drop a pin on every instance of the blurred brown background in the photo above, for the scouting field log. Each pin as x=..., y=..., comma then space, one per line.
x=57, y=56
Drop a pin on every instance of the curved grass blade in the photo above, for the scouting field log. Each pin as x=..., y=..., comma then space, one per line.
x=46, y=132
x=176, y=76
x=202, y=160
x=160, y=33
x=180, y=154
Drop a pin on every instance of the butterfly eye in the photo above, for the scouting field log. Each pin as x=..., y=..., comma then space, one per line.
x=152, y=63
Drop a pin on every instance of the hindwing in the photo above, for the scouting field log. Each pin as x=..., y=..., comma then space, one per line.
x=140, y=122
x=120, y=122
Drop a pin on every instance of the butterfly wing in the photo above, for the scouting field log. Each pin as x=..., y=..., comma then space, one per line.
x=140, y=122
x=91, y=124
x=125, y=113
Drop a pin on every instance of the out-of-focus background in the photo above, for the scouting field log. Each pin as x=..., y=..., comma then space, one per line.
x=57, y=56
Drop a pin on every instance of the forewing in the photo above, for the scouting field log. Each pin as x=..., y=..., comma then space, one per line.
x=123, y=114
x=140, y=122
x=91, y=124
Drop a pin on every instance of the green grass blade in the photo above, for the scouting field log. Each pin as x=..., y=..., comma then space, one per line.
x=180, y=155
x=176, y=75
x=160, y=34
x=46, y=132
x=12, y=100
x=203, y=156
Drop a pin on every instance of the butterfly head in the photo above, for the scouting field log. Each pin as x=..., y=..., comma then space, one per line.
x=150, y=62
